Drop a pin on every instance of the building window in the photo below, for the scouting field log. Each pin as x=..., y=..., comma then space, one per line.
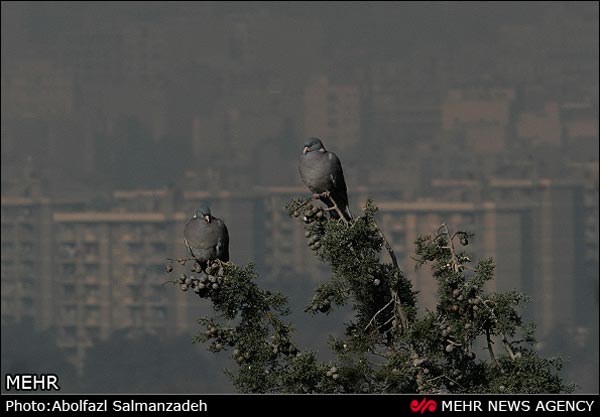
x=68, y=269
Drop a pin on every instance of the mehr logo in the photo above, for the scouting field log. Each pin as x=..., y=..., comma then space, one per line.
x=424, y=405
x=32, y=382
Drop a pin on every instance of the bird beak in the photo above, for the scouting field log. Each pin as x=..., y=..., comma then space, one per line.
x=207, y=217
x=305, y=150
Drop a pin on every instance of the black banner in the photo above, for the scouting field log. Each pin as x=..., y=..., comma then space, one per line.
x=268, y=404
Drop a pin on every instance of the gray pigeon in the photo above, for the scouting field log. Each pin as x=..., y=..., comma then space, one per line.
x=206, y=237
x=322, y=173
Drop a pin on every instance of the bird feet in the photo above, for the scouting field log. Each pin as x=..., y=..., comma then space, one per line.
x=220, y=262
x=325, y=194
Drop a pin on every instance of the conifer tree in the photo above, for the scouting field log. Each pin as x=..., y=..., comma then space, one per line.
x=388, y=347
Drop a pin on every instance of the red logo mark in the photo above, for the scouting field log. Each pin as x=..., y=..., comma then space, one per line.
x=424, y=405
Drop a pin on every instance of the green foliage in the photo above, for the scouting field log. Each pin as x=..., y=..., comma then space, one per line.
x=387, y=347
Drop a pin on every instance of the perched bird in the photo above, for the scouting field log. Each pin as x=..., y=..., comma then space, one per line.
x=322, y=173
x=206, y=237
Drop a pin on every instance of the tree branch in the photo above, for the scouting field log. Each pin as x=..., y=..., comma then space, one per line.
x=398, y=310
x=337, y=209
x=387, y=245
x=508, y=348
x=450, y=246
x=489, y=347
x=379, y=312
x=180, y=260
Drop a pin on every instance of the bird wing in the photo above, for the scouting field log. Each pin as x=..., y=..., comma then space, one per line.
x=339, y=191
x=337, y=174
x=187, y=245
x=223, y=242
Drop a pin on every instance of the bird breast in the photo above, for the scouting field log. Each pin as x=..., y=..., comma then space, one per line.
x=201, y=234
x=315, y=170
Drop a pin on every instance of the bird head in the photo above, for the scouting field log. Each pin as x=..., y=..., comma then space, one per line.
x=203, y=212
x=313, y=144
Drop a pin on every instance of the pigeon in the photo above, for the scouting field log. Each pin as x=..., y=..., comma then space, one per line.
x=321, y=172
x=206, y=237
